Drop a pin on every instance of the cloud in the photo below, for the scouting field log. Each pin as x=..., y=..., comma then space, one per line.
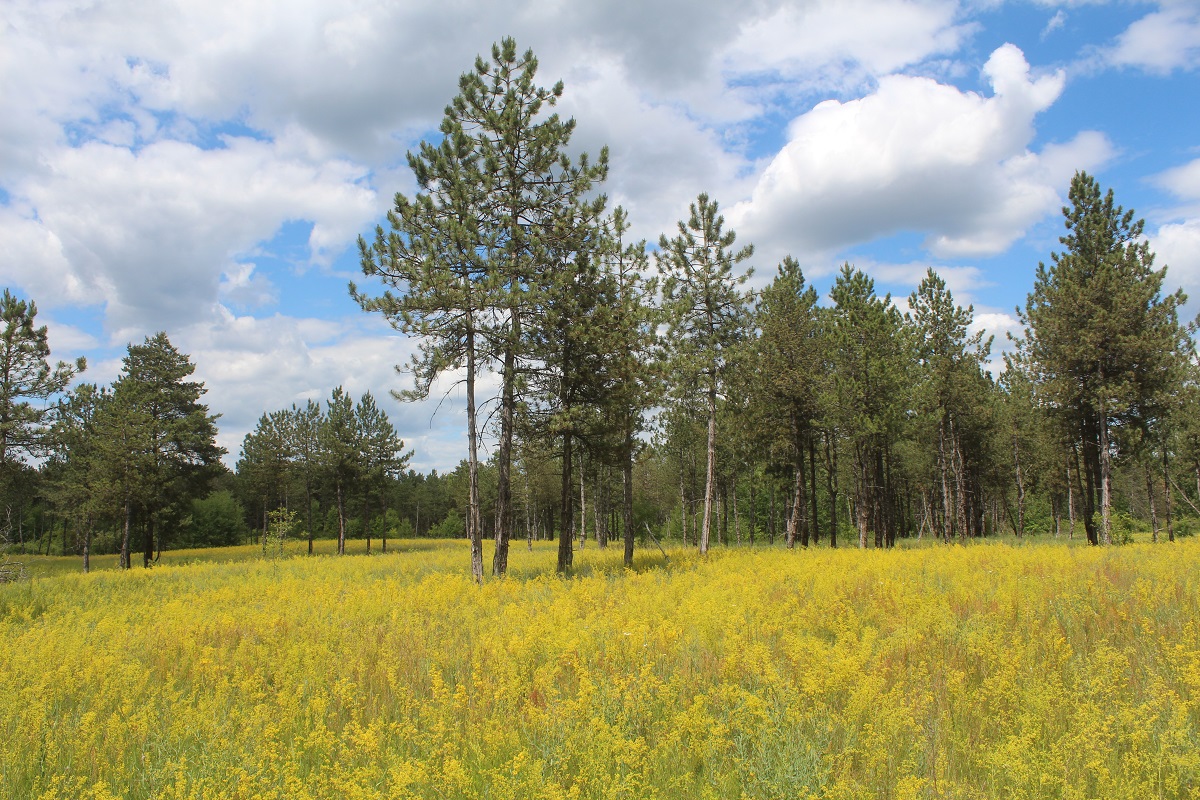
x=917, y=155
x=838, y=45
x=1176, y=242
x=252, y=366
x=150, y=233
x=1160, y=42
x=1056, y=22
x=1182, y=181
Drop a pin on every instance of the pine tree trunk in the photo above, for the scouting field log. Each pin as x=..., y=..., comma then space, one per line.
x=1150, y=502
x=831, y=479
x=474, y=519
x=753, y=505
x=627, y=494
x=341, y=512
x=508, y=407
x=87, y=545
x=125, y=539
x=771, y=516
x=565, y=543
x=1087, y=495
x=1020, y=485
x=946, y=529
x=737, y=528
x=600, y=510
x=1105, y=478
x=1167, y=497
x=367, y=519
x=148, y=542
x=582, y=509
x=862, y=499
x=815, y=520
x=384, y=530
x=710, y=465
x=1056, y=512
x=529, y=511
x=308, y=514
x=798, y=506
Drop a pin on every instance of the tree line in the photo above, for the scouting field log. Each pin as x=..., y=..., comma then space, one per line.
x=862, y=417
x=645, y=391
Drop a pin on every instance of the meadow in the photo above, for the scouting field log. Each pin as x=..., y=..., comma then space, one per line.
x=981, y=671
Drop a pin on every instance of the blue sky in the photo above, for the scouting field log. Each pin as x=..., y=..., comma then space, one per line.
x=205, y=169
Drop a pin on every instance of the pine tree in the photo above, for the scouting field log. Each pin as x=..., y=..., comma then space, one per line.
x=469, y=254
x=163, y=430
x=1101, y=342
x=72, y=462
x=264, y=465
x=340, y=454
x=382, y=457
x=26, y=378
x=632, y=343
x=871, y=357
x=786, y=379
x=706, y=312
x=950, y=364
x=305, y=446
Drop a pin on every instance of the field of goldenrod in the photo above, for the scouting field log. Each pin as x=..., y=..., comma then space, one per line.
x=960, y=672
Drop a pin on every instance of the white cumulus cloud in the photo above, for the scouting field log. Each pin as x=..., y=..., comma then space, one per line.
x=918, y=155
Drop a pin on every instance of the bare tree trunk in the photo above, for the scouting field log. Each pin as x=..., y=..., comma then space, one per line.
x=831, y=479
x=600, y=510
x=815, y=520
x=794, y=508
x=1167, y=497
x=1088, y=493
x=771, y=519
x=566, y=520
x=125, y=538
x=1105, y=477
x=724, y=513
x=508, y=405
x=710, y=466
x=1020, y=485
x=582, y=509
x=1150, y=502
x=529, y=516
x=947, y=526
x=682, y=503
x=862, y=501
x=341, y=512
x=753, y=505
x=1071, y=502
x=367, y=518
x=148, y=542
x=1056, y=512
x=737, y=528
x=627, y=495
x=87, y=545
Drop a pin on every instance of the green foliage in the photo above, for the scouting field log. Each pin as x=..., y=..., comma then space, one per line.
x=27, y=382
x=217, y=520
x=1103, y=346
x=280, y=524
x=449, y=528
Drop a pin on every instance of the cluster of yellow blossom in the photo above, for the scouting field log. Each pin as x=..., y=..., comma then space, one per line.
x=942, y=672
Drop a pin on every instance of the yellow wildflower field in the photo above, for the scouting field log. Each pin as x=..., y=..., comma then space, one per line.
x=984, y=671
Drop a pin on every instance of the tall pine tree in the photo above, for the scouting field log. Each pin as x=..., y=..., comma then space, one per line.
x=706, y=313
x=1102, y=343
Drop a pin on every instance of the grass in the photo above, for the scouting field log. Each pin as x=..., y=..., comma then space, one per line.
x=990, y=670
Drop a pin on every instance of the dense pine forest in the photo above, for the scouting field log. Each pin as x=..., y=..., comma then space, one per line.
x=644, y=391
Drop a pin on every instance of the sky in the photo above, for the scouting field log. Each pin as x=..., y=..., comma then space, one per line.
x=205, y=169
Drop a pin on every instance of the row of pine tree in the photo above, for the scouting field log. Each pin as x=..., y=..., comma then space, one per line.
x=653, y=380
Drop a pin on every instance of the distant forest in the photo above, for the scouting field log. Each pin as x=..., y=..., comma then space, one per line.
x=643, y=391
